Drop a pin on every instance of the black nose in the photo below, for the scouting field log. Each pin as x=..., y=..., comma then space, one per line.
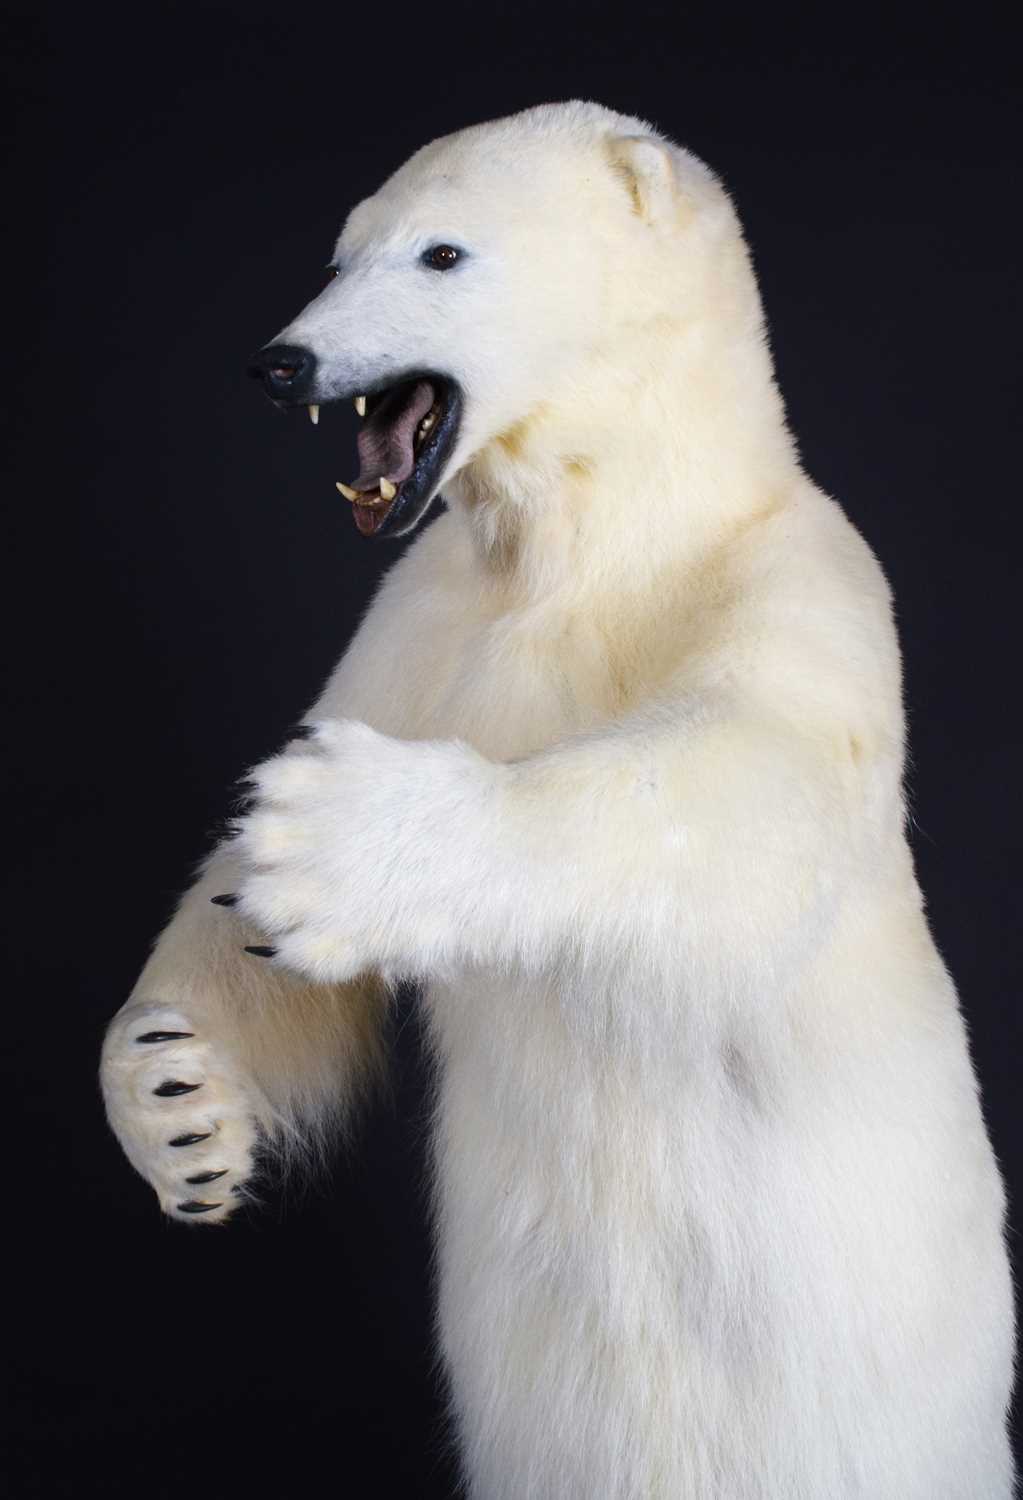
x=286, y=370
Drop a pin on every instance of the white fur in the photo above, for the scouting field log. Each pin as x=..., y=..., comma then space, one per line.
x=614, y=764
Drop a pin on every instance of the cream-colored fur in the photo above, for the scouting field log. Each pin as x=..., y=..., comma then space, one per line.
x=614, y=765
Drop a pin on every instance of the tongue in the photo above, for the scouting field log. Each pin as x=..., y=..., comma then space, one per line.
x=385, y=437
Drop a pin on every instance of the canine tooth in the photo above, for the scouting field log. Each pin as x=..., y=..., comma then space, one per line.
x=360, y=405
x=387, y=490
x=347, y=491
x=314, y=414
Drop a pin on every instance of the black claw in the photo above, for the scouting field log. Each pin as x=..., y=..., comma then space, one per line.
x=192, y=1207
x=261, y=950
x=164, y=1036
x=300, y=732
x=173, y=1087
x=201, y=1177
x=245, y=798
x=228, y=900
x=189, y=1140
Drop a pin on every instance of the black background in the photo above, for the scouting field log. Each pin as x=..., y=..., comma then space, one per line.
x=182, y=575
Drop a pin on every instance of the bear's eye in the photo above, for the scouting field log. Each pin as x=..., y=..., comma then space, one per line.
x=441, y=257
x=330, y=272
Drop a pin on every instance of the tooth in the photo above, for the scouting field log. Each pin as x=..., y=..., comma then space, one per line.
x=314, y=414
x=360, y=405
x=347, y=491
x=387, y=490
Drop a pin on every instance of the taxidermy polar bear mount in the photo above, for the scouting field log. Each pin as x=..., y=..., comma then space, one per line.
x=613, y=766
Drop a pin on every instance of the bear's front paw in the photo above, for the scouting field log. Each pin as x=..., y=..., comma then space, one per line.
x=355, y=848
x=183, y=1114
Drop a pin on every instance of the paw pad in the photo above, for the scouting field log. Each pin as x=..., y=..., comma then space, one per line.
x=168, y=1091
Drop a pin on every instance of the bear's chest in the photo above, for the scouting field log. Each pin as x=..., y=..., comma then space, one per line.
x=514, y=685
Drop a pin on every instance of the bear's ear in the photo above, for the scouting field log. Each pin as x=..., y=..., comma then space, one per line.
x=645, y=166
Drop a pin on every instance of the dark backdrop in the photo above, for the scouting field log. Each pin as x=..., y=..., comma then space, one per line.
x=182, y=576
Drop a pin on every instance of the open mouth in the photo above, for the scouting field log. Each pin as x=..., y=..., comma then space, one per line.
x=407, y=433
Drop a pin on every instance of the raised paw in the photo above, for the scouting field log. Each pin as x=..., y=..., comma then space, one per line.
x=183, y=1113
x=351, y=847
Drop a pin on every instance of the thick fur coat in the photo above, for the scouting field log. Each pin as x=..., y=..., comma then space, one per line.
x=614, y=766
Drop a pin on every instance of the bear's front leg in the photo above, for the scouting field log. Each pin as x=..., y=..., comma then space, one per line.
x=216, y=1056
x=716, y=838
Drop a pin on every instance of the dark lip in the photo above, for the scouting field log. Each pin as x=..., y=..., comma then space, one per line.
x=415, y=493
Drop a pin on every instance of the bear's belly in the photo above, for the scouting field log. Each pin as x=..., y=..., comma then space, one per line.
x=651, y=1288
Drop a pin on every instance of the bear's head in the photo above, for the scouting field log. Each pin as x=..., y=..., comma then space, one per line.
x=500, y=270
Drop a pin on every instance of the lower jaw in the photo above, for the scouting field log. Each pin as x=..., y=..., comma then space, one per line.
x=396, y=519
x=392, y=518
x=369, y=518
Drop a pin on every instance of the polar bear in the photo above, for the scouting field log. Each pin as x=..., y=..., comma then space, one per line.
x=613, y=766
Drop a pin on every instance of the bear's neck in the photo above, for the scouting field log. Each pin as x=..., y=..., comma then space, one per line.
x=673, y=441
